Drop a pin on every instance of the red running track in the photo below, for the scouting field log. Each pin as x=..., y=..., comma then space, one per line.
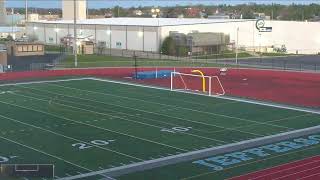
x=293, y=88
x=306, y=169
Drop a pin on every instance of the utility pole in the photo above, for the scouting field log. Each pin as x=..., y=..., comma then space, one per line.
x=75, y=46
x=26, y=8
x=12, y=14
x=237, y=45
x=135, y=65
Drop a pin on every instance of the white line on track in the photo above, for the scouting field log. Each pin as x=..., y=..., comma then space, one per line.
x=182, y=92
x=218, y=97
x=228, y=98
x=312, y=175
x=254, y=162
x=291, y=167
x=297, y=172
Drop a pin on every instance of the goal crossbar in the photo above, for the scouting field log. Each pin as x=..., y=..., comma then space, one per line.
x=210, y=85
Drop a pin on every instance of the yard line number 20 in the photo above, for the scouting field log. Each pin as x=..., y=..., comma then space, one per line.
x=82, y=146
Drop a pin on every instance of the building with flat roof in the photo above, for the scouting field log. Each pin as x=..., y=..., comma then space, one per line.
x=14, y=32
x=147, y=34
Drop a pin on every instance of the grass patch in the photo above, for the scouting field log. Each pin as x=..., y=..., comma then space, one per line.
x=112, y=61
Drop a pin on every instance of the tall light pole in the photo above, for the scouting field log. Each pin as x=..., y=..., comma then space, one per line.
x=75, y=46
x=237, y=45
x=26, y=8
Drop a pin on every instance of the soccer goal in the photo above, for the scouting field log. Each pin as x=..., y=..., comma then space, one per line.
x=210, y=85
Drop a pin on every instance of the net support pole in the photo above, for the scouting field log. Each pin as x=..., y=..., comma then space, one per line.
x=210, y=85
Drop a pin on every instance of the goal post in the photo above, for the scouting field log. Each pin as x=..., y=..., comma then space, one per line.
x=210, y=85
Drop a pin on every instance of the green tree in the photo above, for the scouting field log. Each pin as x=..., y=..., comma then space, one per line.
x=169, y=47
x=9, y=38
x=182, y=51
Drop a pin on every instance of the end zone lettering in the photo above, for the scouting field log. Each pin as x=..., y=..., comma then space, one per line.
x=218, y=163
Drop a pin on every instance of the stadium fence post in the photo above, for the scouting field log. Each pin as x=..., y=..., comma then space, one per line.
x=300, y=66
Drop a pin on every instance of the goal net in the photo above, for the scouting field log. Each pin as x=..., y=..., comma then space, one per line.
x=210, y=85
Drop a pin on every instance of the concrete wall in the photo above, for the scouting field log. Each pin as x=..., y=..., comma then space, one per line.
x=116, y=37
x=301, y=37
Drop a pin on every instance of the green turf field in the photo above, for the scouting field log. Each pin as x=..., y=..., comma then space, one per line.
x=113, y=61
x=87, y=125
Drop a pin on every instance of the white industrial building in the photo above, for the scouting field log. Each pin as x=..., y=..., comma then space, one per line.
x=146, y=34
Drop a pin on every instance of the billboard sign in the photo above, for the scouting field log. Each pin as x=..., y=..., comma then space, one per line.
x=260, y=25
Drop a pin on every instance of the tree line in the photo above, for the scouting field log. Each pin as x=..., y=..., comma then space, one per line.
x=296, y=12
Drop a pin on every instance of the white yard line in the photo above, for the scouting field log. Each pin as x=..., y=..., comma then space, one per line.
x=68, y=137
x=277, y=120
x=228, y=98
x=308, y=110
x=219, y=97
x=126, y=119
x=179, y=100
x=204, y=152
x=153, y=112
x=47, y=154
x=105, y=129
x=184, y=119
x=41, y=82
x=171, y=106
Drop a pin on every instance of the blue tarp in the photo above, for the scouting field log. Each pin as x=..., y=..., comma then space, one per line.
x=153, y=74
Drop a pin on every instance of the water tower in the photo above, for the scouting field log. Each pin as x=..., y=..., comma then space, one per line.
x=67, y=9
x=3, y=13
